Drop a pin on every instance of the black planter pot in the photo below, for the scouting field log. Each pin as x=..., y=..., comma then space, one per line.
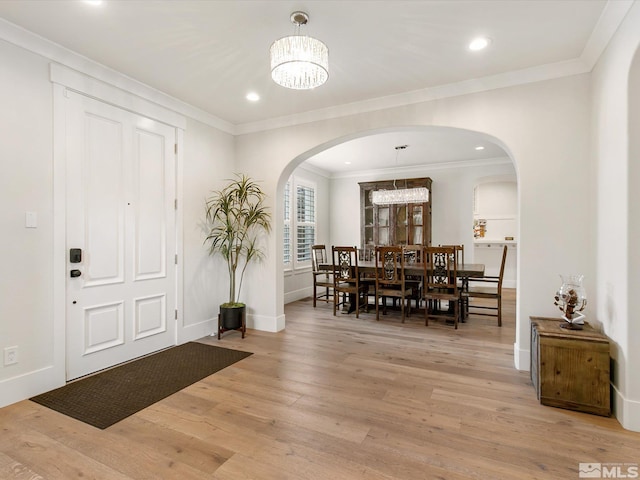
x=232, y=318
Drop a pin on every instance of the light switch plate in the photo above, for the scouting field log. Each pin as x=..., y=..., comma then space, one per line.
x=31, y=220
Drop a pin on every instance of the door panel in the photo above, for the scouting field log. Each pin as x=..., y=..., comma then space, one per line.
x=103, y=326
x=102, y=195
x=150, y=316
x=150, y=191
x=120, y=187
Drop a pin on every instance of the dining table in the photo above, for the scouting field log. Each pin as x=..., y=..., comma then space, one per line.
x=464, y=270
x=367, y=268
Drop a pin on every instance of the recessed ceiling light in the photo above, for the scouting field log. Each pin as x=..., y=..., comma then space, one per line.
x=479, y=43
x=95, y=3
x=479, y=147
x=347, y=163
x=253, y=97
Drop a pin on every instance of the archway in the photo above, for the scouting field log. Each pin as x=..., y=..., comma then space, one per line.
x=456, y=179
x=633, y=275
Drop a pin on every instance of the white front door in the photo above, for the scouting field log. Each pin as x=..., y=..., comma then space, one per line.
x=120, y=197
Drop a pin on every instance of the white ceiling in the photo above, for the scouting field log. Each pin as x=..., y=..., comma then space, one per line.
x=210, y=54
x=440, y=146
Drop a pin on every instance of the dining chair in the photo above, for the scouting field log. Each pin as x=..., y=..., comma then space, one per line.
x=322, y=278
x=346, y=279
x=368, y=278
x=487, y=287
x=459, y=252
x=441, y=284
x=462, y=281
x=390, y=278
x=414, y=254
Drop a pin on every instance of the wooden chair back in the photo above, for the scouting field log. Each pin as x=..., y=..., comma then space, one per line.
x=345, y=264
x=346, y=279
x=441, y=269
x=391, y=279
x=488, y=287
x=502, y=264
x=322, y=278
x=318, y=257
x=390, y=266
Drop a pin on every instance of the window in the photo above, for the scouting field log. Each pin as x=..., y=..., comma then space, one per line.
x=287, y=225
x=305, y=222
x=300, y=217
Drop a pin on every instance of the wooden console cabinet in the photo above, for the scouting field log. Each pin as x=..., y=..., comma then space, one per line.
x=570, y=368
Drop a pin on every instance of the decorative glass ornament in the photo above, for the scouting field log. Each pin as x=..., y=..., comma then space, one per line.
x=571, y=299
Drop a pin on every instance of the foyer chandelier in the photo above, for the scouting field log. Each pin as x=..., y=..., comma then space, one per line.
x=400, y=195
x=298, y=61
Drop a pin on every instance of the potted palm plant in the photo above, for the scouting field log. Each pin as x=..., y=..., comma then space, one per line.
x=236, y=219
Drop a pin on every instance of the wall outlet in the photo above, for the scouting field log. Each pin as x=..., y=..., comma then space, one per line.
x=10, y=355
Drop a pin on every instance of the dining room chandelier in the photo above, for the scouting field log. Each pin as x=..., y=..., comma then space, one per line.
x=298, y=61
x=400, y=195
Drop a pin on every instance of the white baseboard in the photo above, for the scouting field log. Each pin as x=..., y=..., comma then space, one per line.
x=298, y=295
x=24, y=386
x=521, y=358
x=626, y=411
x=189, y=333
x=265, y=323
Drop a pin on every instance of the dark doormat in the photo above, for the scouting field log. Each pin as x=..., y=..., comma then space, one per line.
x=112, y=395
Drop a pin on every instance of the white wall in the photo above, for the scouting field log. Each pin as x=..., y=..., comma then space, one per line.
x=451, y=201
x=496, y=203
x=29, y=282
x=208, y=160
x=26, y=184
x=634, y=215
x=616, y=227
x=452, y=209
x=545, y=128
x=496, y=197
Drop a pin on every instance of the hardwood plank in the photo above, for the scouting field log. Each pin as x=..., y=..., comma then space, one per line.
x=292, y=460
x=334, y=397
x=10, y=469
x=107, y=448
x=54, y=460
x=204, y=455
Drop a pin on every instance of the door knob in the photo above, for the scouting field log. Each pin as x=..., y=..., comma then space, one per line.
x=75, y=273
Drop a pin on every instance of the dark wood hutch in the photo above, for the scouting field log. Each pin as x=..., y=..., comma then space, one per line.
x=402, y=224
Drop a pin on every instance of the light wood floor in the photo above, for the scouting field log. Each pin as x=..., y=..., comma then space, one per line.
x=333, y=398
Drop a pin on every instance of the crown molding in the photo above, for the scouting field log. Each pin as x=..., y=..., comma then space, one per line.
x=421, y=169
x=476, y=85
x=612, y=16
x=54, y=52
x=321, y=172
